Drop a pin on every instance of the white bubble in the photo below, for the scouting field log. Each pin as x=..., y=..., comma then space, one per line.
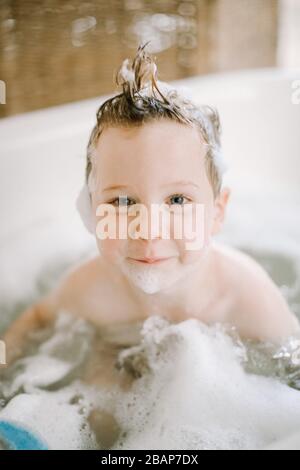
x=153, y=278
x=198, y=395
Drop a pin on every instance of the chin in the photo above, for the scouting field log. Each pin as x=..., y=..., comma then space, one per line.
x=153, y=279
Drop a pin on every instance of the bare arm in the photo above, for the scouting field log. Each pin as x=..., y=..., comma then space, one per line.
x=262, y=312
x=34, y=317
x=70, y=294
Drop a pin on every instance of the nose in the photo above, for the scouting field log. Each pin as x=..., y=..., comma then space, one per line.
x=153, y=233
x=150, y=226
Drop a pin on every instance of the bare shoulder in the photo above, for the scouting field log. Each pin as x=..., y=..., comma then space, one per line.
x=74, y=288
x=78, y=291
x=237, y=268
x=235, y=260
x=260, y=310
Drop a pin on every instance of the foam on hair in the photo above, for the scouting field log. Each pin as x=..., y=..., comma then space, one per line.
x=145, y=98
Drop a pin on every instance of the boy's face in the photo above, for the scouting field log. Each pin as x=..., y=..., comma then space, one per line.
x=158, y=163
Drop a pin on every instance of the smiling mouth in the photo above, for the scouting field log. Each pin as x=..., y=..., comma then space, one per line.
x=150, y=260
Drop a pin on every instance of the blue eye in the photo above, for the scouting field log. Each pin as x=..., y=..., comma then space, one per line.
x=178, y=198
x=122, y=201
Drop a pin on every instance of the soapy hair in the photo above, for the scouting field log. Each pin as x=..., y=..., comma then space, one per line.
x=145, y=99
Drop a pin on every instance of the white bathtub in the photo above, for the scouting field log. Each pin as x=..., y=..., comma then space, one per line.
x=43, y=152
x=42, y=169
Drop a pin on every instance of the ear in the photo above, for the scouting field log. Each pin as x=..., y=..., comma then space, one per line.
x=220, y=209
x=84, y=207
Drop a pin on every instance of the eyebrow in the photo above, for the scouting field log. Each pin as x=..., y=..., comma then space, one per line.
x=182, y=183
x=110, y=188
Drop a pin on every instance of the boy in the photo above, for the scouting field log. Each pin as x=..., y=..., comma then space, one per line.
x=152, y=148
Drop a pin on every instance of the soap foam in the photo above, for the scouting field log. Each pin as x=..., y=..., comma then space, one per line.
x=51, y=418
x=42, y=392
x=154, y=278
x=190, y=390
x=197, y=395
x=149, y=279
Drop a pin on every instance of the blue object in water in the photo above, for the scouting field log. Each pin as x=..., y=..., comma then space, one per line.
x=15, y=437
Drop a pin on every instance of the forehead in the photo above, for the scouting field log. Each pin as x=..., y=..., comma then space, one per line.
x=156, y=149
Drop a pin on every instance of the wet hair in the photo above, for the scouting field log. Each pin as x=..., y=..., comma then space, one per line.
x=145, y=99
